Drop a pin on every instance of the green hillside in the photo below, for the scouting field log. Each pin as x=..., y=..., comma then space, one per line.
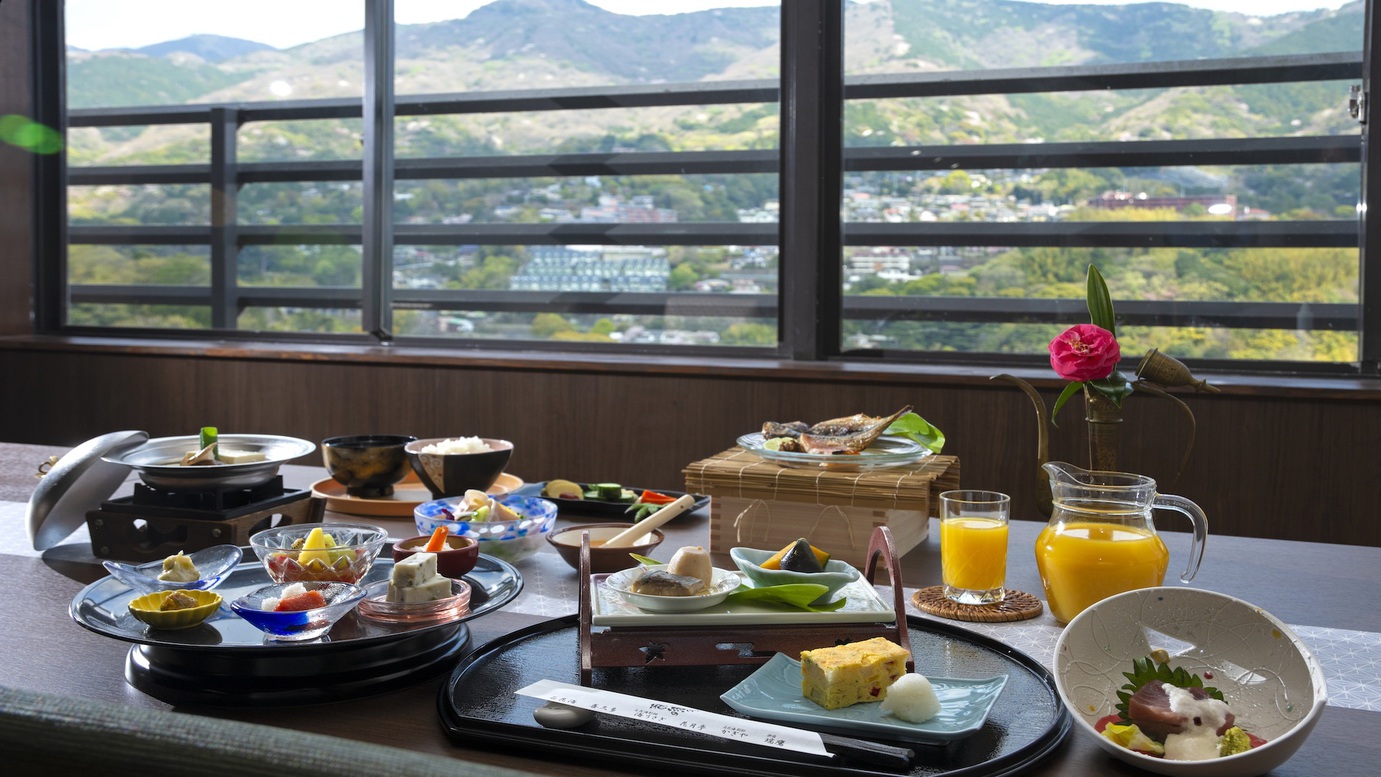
x=123, y=79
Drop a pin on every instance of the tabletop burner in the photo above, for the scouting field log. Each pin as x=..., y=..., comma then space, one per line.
x=155, y=523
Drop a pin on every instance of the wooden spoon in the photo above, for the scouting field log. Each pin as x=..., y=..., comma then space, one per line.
x=637, y=531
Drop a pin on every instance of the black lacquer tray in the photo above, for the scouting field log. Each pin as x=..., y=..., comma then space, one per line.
x=478, y=707
x=226, y=661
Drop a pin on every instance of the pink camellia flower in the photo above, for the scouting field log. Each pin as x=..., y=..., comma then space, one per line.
x=1084, y=352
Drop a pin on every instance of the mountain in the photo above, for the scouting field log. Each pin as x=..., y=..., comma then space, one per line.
x=1003, y=33
x=211, y=48
x=528, y=44
x=613, y=47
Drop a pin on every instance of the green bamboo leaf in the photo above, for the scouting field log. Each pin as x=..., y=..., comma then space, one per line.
x=1070, y=390
x=918, y=429
x=799, y=595
x=1100, y=302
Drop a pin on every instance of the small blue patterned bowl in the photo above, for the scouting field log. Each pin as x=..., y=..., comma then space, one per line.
x=507, y=540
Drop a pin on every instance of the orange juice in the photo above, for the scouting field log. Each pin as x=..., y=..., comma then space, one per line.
x=973, y=553
x=1083, y=562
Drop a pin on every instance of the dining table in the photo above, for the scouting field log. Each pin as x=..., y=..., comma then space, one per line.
x=1323, y=591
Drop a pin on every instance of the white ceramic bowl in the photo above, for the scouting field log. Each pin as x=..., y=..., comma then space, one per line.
x=1269, y=678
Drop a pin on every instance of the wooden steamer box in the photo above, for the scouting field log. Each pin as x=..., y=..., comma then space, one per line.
x=762, y=504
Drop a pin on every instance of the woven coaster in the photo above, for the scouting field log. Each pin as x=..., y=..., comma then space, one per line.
x=1015, y=606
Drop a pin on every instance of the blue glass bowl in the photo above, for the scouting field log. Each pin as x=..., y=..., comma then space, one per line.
x=214, y=563
x=507, y=540
x=299, y=625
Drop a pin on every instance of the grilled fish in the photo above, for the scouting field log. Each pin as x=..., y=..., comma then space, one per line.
x=850, y=434
x=659, y=582
x=790, y=429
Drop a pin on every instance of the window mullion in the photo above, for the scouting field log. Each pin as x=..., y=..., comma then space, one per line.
x=50, y=170
x=376, y=273
x=1369, y=277
x=225, y=186
x=812, y=177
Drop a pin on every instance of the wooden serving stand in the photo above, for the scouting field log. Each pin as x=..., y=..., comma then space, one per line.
x=633, y=646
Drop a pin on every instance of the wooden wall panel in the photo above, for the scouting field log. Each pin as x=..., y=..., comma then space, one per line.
x=1278, y=467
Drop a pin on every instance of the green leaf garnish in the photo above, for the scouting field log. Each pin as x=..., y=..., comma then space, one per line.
x=913, y=427
x=798, y=595
x=1144, y=670
x=647, y=561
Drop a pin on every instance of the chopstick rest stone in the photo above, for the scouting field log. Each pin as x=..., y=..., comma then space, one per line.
x=554, y=714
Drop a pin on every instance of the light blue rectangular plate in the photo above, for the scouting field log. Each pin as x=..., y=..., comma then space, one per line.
x=773, y=692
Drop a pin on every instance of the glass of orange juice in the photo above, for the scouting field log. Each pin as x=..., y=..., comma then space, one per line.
x=973, y=545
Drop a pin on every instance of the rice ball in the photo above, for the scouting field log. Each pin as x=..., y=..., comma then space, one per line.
x=912, y=699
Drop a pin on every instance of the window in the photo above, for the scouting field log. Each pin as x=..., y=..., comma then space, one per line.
x=555, y=175
x=1205, y=165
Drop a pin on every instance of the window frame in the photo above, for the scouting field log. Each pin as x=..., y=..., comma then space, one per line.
x=810, y=303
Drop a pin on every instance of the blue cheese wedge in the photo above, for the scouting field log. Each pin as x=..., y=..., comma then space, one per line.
x=415, y=579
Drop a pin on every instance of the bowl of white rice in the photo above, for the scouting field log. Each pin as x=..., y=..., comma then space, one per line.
x=450, y=466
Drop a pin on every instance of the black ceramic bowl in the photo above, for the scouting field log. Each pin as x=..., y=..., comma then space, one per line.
x=452, y=474
x=367, y=464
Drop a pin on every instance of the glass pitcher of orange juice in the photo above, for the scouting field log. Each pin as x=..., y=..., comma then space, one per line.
x=1101, y=541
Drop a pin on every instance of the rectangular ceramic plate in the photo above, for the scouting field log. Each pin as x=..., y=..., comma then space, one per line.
x=773, y=692
x=863, y=606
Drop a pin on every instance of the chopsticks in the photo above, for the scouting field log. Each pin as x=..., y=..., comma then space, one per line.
x=866, y=753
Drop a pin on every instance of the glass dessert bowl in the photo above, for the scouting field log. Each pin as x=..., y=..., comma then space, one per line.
x=321, y=553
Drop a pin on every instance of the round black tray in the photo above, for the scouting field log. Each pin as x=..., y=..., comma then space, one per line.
x=226, y=661
x=478, y=706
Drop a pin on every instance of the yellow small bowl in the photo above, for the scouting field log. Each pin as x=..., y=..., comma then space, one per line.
x=145, y=608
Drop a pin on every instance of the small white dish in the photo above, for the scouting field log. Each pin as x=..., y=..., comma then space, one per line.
x=214, y=564
x=724, y=583
x=773, y=692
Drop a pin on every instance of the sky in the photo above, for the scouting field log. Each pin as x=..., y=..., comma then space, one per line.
x=101, y=24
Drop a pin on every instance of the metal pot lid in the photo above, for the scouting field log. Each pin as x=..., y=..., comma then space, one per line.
x=80, y=481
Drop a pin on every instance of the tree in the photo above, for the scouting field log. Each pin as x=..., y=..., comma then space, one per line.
x=546, y=326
